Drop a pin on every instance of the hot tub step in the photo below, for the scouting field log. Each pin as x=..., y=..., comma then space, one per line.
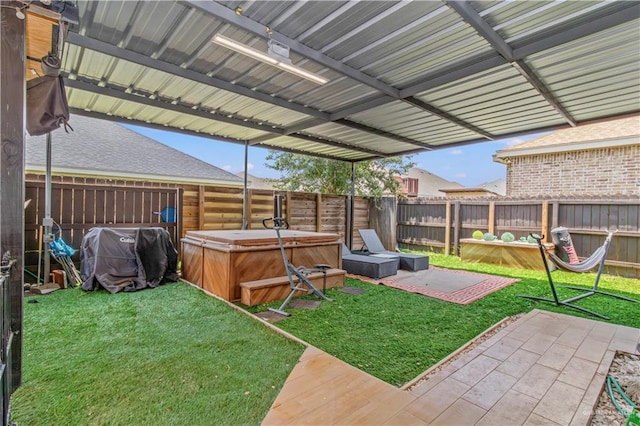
x=270, y=289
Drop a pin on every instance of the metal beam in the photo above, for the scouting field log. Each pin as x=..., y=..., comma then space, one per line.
x=222, y=12
x=472, y=17
x=337, y=144
x=615, y=14
x=127, y=55
x=469, y=14
x=541, y=88
x=446, y=116
x=144, y=60
x=274, y=132
x=134, y=122
x=362, y=106
x=369, y=129
x=465, y=69
x=215, y=138
x=551, y=128
x=167, y=104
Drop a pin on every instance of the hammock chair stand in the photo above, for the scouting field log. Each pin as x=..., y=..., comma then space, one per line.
x=599, y=256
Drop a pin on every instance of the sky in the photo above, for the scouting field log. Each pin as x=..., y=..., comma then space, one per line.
x=469, y=165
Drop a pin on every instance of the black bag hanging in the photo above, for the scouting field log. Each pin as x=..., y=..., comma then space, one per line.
x=47, y=107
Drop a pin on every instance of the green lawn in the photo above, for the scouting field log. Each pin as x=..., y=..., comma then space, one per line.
x=395, y=335
x=171, y=355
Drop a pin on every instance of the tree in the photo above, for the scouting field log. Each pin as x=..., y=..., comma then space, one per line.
x=313, y=174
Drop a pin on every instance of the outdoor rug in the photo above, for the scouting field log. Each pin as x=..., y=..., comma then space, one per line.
x=450, y=285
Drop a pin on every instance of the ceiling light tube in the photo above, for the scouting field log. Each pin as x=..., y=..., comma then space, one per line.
x=302, y=73
x=244, y=49
x=265, y=58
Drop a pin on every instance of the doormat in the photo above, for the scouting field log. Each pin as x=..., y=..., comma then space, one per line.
x=450, y=285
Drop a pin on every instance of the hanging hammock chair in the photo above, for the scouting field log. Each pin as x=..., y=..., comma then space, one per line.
x=598, y=257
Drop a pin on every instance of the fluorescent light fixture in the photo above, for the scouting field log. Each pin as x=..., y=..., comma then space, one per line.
x=267, y=59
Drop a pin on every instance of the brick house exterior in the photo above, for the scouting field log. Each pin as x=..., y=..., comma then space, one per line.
x=597, y=159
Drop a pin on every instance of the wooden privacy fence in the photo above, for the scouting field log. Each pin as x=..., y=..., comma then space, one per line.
x=76, y=208
x=212, y=208
x=440, y=224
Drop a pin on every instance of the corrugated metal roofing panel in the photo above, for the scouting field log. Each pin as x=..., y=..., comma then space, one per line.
x=350, y=17
x=399, y=44
x=588, y=74
x=407, y=120
x=442, y=43
x=100, y=67
x=499, y=95
x=289, y=143
x=516, y=20
x=107, y=105
x=358, y=138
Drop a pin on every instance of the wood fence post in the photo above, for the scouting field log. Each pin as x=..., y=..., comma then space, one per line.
x=249, y=207
x=201, y=191
x=492, y=217
x=179, y=216
x=318, y=212
x=289, y=207
x=456, y=228
x=447, y=229
x=544, y=220
x=384, y=221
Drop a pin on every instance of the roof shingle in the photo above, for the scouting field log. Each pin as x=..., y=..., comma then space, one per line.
x=100, y=147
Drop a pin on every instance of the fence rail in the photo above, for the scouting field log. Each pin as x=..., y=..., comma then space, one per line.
x=440, y=224
x=424, y=224
x=76, y=207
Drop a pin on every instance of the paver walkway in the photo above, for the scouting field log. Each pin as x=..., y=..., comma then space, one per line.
x=543, y=369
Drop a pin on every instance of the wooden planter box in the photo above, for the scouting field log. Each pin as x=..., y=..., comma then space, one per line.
x=514, y=255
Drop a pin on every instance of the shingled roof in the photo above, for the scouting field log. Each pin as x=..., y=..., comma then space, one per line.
x=107, y=149
x=431, y=185
x=604, y=134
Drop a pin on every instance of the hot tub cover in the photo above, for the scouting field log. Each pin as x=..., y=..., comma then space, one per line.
x=127, y=259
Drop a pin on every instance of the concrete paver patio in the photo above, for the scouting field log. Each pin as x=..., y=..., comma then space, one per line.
x=545, y=368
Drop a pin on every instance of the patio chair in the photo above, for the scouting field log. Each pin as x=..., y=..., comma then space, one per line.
x=409, y=262
x=368, y=266
x=597, y=258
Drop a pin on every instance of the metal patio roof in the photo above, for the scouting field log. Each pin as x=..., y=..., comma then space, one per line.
x=405, y=76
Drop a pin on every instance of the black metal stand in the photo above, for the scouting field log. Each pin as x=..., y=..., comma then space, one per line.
x=567, y=302
x=300, y=272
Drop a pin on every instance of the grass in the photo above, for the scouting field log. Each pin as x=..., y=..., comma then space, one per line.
x=395, y=335
x=171, y=355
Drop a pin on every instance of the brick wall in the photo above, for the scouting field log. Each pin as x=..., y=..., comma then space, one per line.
x=608, y=171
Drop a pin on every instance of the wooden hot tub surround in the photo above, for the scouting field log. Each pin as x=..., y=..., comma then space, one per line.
x=220, y=261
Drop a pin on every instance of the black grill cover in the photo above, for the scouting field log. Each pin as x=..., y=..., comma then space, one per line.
x=127, y=259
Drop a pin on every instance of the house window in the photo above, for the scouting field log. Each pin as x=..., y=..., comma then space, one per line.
x=410, y=186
